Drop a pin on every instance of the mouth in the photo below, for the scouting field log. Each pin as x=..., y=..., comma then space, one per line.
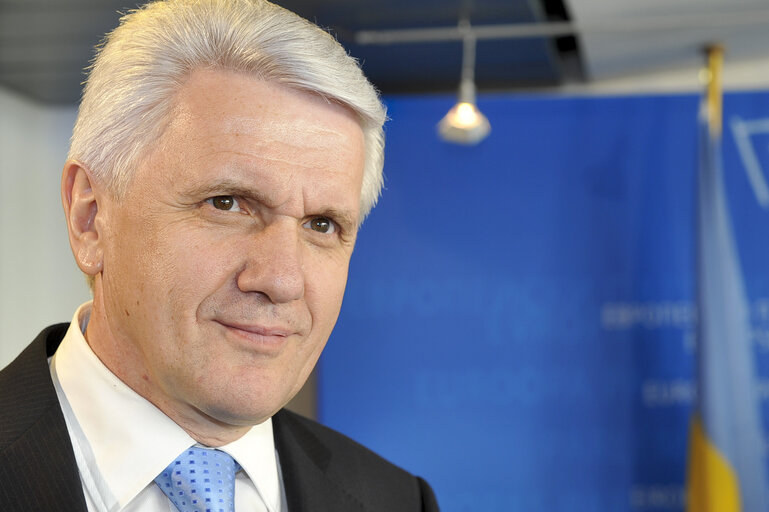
x=264, y=338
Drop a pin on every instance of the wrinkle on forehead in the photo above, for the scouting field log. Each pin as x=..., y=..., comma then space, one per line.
x=284, y=130
x=287, y=140
x=293, y=125
x=289, y=156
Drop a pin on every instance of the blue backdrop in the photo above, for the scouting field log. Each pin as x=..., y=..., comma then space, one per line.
x=518, y=324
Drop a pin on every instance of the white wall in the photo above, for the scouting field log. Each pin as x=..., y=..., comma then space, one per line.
x=39, y=281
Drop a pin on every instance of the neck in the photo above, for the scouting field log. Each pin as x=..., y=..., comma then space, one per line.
x=202, y=428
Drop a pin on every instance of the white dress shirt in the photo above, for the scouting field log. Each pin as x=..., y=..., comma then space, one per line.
x=122, y=441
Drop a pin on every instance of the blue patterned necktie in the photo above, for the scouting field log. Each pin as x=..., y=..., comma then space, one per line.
x=200, y=480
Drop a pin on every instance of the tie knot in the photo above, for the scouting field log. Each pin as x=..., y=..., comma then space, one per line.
x=200, y=480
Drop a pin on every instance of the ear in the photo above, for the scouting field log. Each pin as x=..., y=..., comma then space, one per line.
x=80, y=209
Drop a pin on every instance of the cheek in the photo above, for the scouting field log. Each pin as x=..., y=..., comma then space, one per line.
x=169, y=272
x=325, y=291
x=139, y=257
x=194, y=269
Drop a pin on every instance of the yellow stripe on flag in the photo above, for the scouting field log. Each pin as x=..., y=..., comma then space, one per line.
x=712, y=483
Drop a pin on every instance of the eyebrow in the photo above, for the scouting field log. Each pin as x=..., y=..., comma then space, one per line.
x=345, y=218
x=229, y=187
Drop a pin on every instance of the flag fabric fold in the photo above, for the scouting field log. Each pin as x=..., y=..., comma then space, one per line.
x=726, y=467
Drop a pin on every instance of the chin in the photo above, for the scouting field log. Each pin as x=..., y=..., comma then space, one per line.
x=244, y=411
x=238, y=418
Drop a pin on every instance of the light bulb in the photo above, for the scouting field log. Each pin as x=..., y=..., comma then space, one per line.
x=464, y=124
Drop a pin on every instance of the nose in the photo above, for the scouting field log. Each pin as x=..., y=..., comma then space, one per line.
x=274, y=263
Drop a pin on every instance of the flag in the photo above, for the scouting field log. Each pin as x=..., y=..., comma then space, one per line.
x=726, y=467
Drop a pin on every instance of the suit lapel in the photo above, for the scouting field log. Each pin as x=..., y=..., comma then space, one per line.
x=305, y=463
x=37, y=465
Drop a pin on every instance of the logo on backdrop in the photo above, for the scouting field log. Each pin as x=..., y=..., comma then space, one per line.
x=752, y=139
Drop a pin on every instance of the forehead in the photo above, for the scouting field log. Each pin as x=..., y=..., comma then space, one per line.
x=228, y=124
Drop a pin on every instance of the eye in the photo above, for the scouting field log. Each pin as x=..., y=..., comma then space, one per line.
x=225, y=203
x=321, y=225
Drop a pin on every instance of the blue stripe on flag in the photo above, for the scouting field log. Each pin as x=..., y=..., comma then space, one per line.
x=727, y=391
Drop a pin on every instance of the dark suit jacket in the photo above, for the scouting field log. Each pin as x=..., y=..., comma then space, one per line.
x=322, y=469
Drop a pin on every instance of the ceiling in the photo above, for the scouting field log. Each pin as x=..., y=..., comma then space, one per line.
x=630, y=38
x=45, y=44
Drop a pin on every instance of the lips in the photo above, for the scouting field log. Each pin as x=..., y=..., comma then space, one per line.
x=261, y=335
x=258, y=329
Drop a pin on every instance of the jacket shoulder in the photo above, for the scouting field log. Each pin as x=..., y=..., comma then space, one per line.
x=368, y=478
x=37, y=465
x=26, y=390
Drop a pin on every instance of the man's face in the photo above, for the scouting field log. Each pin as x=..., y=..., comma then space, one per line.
x=225, y=264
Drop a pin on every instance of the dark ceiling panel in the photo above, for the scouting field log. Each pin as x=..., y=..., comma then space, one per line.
x=377, y=14
x=436, y=66
x=45, y=44
x=519, y=62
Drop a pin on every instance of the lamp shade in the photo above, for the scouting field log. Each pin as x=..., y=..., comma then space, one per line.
x=464, y=124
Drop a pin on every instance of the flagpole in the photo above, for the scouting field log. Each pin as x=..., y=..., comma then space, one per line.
x=715, y=62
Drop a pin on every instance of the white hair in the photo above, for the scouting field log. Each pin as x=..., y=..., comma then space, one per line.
x=141, y=65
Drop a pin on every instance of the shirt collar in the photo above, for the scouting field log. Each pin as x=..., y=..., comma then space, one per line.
x=127, y=441
x=255, y=452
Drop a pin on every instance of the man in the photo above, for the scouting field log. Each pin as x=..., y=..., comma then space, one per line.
x=224, y=156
